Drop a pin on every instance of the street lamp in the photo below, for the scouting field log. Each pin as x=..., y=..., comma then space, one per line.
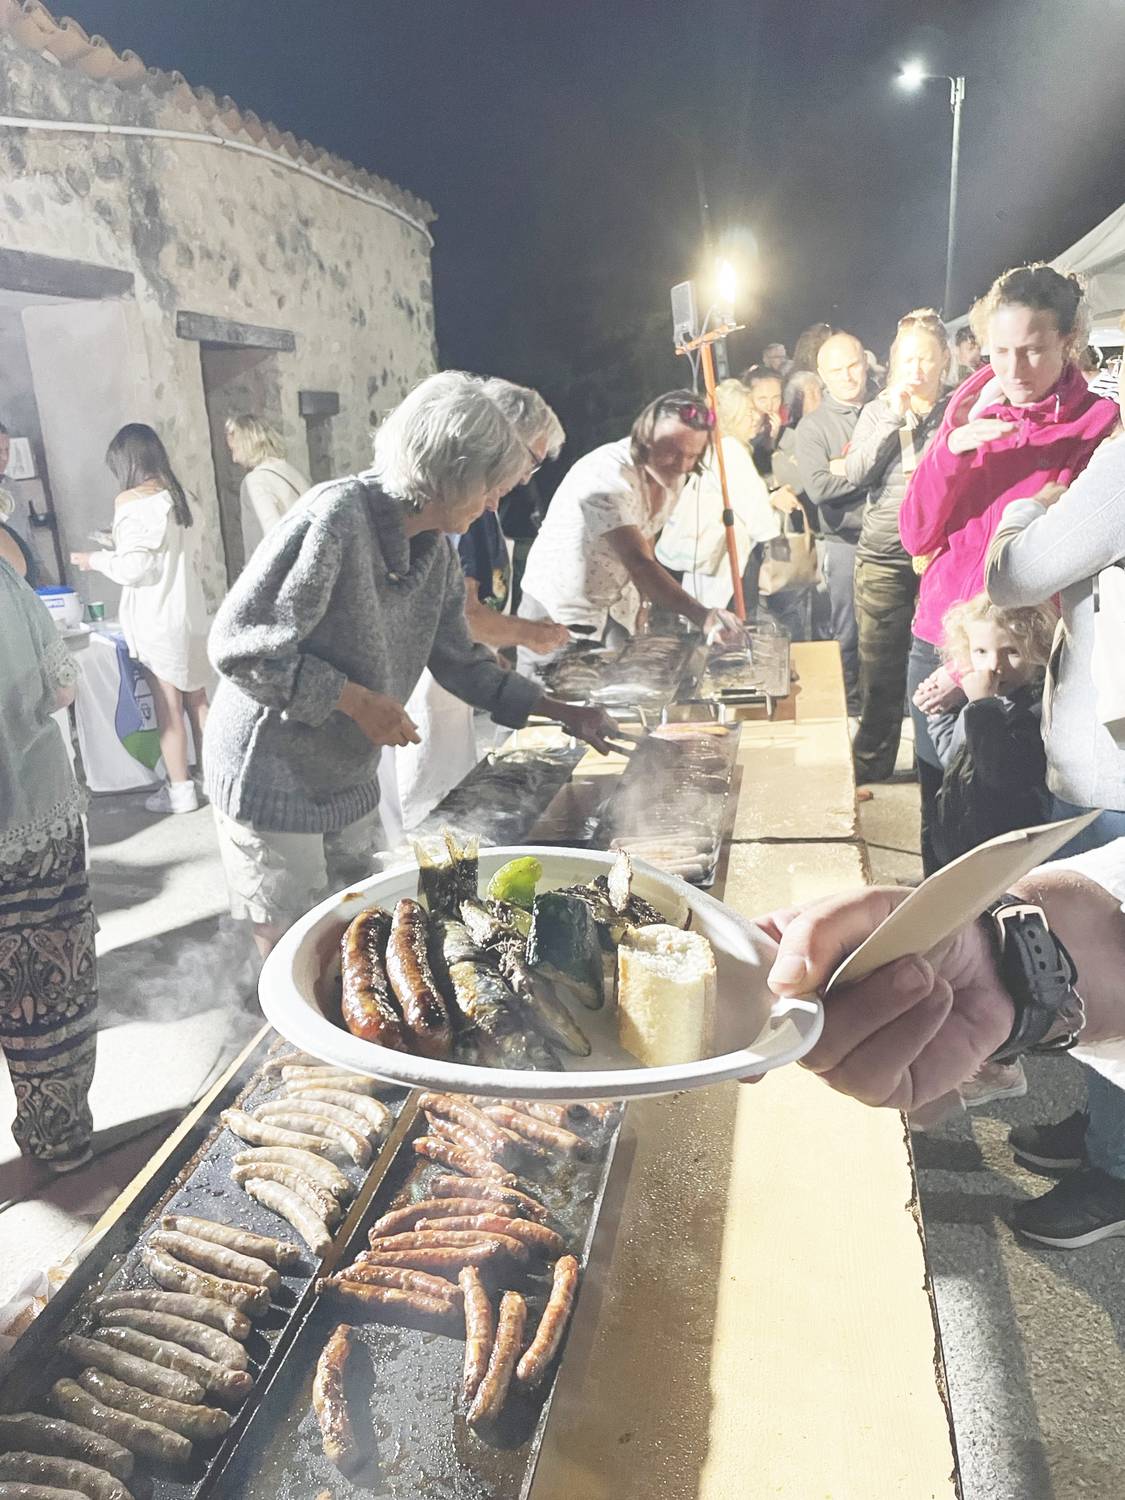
x=912, y=76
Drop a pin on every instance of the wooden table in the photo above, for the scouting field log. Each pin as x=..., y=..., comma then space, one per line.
x=758, y=1321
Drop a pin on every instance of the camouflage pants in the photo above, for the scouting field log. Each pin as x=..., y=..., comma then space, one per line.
x=49, y=995
x=884, y=607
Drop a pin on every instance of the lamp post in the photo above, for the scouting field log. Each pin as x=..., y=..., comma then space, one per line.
x=912, y=76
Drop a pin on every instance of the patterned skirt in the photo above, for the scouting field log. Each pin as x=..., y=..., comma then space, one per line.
x=49, y=994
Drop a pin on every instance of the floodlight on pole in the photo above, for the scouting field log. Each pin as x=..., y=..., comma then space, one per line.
x=912, y=75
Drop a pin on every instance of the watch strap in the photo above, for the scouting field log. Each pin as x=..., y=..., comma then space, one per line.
x=1039, y=975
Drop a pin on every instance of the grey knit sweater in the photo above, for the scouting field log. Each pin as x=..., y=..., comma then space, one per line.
x=1038, y=553
x=335, y=593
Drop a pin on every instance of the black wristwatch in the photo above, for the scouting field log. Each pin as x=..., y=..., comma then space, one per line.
x=1039, y=975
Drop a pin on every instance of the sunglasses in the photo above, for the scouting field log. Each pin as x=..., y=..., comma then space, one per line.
x=691, y=413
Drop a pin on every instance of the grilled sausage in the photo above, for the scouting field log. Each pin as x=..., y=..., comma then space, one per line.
x=269, y=1133
x=405, y=1281
x=148, y=1439
x=440, y=1260
x=374, y=1114
x=408, y=968
x=338, y=1436
x=205, y=1255
x=368, y=1004
x=319, y=1110
x=493, y=1390
x=461, y=1112
x=538, y=1132
x=16, y=1490
x=389, y=1304
x=553, y=1114
x=487, y=1191
x=284, y=1201
x=401, y=1219
x=29, y=1431
x=452, y=1240
x=536, y=1237
x=314, y=1167
x=208, y=1310
x=324, y=1205
x=282, y=1060
x=139, y=1372
x=67, y=1474
x=446, y=1154
x=552, y=1325
x=191, y=1421
x=173, y=1275
x=218, y=1347
x=297, y=1119
x=480, y=1330
x=333, y=1078
x=277, y=1253
x=464, y=1139
x=219, y=1380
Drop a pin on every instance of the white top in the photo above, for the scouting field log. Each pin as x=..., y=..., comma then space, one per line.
x=1106, y=867
x=266, y=493
x=572, y=571
x=694, y=542
x=163, y=611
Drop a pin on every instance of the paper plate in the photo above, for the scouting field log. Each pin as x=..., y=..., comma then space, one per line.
x=755, y=1031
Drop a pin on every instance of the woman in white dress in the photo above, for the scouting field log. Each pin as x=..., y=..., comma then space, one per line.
x=164, y=617
x=272, y=486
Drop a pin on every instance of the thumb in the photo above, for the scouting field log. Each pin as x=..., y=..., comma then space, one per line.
x=818, y=939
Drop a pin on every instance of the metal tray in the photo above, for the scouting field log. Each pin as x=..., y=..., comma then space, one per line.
x=200, y=1185
x=424, y=1447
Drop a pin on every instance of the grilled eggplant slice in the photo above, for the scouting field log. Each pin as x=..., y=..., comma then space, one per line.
x=563, y=945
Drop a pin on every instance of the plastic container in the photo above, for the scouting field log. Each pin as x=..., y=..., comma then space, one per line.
x=64, y=604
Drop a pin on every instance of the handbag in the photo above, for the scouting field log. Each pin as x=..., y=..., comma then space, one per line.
x=1107, y=659
x=789, y=560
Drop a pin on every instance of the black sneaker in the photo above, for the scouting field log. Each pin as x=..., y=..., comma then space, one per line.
x=1083, y=1208
x=1060, y=1147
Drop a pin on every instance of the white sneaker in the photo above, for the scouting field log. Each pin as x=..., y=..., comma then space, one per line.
x=995, y=1081
x=174, y=797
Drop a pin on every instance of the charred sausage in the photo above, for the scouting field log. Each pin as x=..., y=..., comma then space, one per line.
x=148, y=1439
x=400, y=1219
x=218, y=1347
x=269, y=1133
x=299, y=1119
x=536, y=1237
x=173, y=1275
x=405, y=1281
x=139, y=1372
x=466, y=1140
x=480, y=1330
x=62, y=1439
x=461, y=1112
x=318, y=1168
x=338, y=1436
x=368, y=1006
x=487, y=1191
x=388, y=1304
x=70, y=1475
x=190, y=1421
x=440, y=1260
x=552, y=1325
x=205, y=1255
x=279, y=1253
x=208, y=1310
x=219, y=1380
x=458, y=1159
x=451, y=1240
x=408, y=968
x=324, y=1205
x=284, y=1201
x=493, y=1390
x=539, y=1133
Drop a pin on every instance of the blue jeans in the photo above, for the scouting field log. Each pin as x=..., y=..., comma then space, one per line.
x=1105, y=1133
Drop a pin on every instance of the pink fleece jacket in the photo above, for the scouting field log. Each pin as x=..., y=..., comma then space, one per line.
x=954, y=500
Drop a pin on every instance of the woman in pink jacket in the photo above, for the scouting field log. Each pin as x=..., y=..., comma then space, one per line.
x=1025, y=421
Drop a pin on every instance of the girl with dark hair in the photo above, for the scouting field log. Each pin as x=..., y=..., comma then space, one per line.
x=1025, y=421
x=164, y=617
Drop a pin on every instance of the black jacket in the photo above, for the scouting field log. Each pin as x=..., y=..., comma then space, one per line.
x=822, y=436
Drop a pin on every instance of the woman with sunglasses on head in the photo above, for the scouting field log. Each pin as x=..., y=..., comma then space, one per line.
x=593, y=564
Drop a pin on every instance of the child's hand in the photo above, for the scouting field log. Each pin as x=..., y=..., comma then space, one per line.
x=980, y=684
x=938, y=694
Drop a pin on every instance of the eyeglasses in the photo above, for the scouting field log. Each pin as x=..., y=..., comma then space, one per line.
x=536, y=462
x=691, y=413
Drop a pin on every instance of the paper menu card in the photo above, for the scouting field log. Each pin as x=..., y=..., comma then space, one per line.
x=956, y=895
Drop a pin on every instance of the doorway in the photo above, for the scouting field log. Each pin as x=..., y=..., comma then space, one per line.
x=236, y=381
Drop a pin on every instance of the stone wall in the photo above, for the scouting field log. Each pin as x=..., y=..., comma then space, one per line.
x=212, y=231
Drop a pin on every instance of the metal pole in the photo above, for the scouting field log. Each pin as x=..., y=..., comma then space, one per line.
x=728, y=514
x=956, y=99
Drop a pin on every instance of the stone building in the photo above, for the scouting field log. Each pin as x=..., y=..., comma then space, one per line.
x=167, y=257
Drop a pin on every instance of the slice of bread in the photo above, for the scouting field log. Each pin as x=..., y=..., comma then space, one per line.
x=666, y=987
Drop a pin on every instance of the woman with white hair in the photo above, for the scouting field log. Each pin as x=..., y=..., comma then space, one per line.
x=324, y=636
x=271, y=486
x=446, y=751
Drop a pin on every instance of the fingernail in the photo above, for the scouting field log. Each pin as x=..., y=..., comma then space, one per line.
x=789, y=971
x=913, y=978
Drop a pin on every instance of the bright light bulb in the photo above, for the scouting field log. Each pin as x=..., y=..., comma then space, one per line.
x=726, y=283
x=912, y=74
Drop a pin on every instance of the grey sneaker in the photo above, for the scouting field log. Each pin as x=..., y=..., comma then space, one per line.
x=1060, y=1147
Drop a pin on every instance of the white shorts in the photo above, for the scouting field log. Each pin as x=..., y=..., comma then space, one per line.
x=275, y=878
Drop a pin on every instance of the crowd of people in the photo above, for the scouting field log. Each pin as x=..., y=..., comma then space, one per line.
x=931, y=517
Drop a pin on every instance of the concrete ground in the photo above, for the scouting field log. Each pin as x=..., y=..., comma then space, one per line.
x=1032, y=1339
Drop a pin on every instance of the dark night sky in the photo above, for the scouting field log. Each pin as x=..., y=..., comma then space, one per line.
x=554, y=139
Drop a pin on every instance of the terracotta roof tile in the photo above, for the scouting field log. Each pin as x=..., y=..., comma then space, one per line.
x=64, y=42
